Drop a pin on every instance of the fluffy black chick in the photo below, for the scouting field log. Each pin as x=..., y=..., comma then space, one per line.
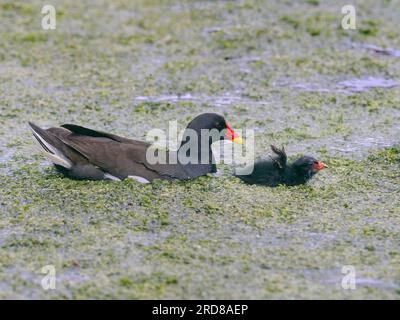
x=275, y=170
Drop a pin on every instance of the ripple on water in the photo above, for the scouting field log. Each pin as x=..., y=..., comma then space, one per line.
x=223, y=100
x=385, y=51
x=368, y=83
x=346, y=86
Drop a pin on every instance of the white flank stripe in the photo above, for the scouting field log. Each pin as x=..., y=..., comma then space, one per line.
x=111, y=177
x=139, y=179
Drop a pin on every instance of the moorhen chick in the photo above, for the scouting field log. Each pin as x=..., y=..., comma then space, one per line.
x=276, y=171
x=83, y=153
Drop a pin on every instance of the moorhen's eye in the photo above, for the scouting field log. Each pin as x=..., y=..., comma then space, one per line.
x=315, y=162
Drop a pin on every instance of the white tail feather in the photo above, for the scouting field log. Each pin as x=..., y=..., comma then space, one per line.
x=56, y=157
x=57, y=160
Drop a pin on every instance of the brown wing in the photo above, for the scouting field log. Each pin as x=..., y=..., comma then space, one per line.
x=118, y=156
x=95, y=133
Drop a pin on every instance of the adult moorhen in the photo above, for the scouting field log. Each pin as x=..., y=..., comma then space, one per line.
x=276, y=171
x=83, y=153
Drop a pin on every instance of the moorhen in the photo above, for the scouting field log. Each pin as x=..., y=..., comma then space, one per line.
x=275, y=171
x=83, y=153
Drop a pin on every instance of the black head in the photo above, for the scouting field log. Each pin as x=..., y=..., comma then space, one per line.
x=212, y=127
x=306, y=167
x=210, y=121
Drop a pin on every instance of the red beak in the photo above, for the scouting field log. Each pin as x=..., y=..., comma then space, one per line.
x=319, y=166
x=231, y=135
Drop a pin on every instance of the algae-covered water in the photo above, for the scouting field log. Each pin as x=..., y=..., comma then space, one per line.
x=284, y=68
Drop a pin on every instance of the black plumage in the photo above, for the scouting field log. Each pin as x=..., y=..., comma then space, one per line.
x=275, y=170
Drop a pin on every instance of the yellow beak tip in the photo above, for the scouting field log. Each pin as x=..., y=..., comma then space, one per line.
x=238, y=140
